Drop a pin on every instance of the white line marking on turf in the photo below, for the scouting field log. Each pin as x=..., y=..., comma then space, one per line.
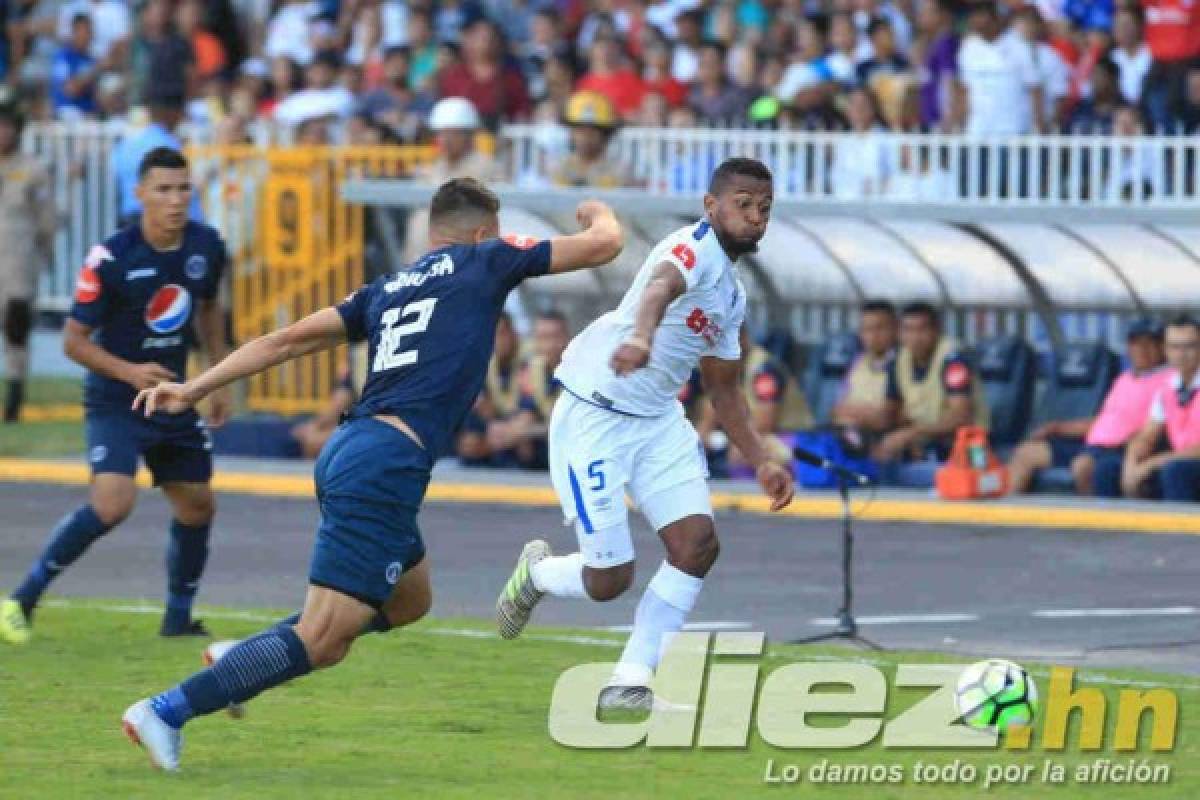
x=901, y=619
x=690, y=626
x=1075, y=613
x=474, y=633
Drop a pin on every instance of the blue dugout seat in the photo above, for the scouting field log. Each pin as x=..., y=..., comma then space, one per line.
x=827, y=366
x=1082, y=375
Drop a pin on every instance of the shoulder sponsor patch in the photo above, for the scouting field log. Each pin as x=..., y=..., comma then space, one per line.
x=957, y=376
x=87, y=285
x=685, y=255
x=520, y=240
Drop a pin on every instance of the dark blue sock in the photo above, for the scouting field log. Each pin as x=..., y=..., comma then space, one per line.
x=187, y=554
x=251, y=667
x=376, y=624
x=73, y=535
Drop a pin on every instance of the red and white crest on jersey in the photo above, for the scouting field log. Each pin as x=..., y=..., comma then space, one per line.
x=766, y=387
x=88, y=286
x=520, y=240
x=685, y=255
x=957, y=376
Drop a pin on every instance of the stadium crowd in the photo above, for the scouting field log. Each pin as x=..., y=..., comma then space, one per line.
x=1083, y=66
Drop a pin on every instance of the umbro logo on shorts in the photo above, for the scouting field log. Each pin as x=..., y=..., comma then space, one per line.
x=393, y=572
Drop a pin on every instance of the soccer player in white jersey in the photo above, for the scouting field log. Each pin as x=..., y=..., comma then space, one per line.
x=617, y=428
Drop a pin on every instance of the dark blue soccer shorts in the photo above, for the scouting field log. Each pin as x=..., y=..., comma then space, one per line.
x=176, y=448
x=371, y=479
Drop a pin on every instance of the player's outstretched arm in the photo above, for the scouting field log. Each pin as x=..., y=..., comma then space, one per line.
x=318, y=331
x=600, y=241
x=722, y=383
x=663, y=288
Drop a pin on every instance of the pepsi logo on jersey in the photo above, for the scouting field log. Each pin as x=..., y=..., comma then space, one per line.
x=169, y=308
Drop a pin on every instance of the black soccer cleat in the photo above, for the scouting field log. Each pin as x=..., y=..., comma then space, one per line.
x=194, y=627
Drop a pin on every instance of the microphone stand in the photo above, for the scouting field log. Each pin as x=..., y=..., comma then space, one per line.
x=847, y=626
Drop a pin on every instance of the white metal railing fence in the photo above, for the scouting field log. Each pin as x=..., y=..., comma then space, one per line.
x=85, y=196
x=1052, y=172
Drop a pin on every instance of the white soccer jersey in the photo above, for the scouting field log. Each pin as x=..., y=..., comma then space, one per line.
x=703, y=321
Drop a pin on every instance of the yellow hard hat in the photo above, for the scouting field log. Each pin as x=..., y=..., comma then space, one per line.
x=590, y=108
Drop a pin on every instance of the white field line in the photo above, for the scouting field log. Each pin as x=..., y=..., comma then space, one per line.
x=474, y=633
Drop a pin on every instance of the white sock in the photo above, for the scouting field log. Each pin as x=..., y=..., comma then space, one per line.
x=667, y=602
x=560, y=576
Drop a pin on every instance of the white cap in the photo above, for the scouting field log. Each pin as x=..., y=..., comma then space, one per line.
x=454, y=113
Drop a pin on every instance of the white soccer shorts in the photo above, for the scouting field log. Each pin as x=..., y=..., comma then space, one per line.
x=597, y=456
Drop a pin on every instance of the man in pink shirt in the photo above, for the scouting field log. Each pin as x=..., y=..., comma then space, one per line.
x=1173, y=472
x=1093, y=447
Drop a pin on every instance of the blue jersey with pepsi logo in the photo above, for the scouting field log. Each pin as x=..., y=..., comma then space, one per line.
x=141, y=301
x=431, y=328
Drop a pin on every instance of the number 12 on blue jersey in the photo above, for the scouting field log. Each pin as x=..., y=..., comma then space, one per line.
x=393, y=328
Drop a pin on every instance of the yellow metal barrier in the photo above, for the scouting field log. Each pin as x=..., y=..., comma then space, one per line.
x=295, y=246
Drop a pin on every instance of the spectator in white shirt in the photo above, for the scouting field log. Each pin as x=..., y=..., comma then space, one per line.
x=843, y=43
x=1130, y=52
x=861, y=159
x=290, y=32
x=1133, y=165
x=1001, y=88
x=1054, y=76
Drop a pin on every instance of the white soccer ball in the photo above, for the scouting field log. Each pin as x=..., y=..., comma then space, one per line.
x=996, y=695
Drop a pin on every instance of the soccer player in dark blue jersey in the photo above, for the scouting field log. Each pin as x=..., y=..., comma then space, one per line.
x=143, y=299
x=430, y=330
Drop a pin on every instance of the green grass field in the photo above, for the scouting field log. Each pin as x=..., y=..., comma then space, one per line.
x=41, y=439
x=425, y=713
x=45, y=439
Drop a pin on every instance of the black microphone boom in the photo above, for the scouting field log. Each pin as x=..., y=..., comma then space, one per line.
x=820, y=462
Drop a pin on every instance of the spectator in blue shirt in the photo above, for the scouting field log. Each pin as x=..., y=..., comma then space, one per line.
x=73, y=74
x=166, y=112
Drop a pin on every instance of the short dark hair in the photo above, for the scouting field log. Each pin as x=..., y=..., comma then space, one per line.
x=81, y=18
x=161, y=158
x=730, y=167
x=879, y=307
x=1134, y=11
x=983, y=5
x=923, y=309
x=1108, y=67
x=877, y=24
x=462, y=196
x=1184, y=321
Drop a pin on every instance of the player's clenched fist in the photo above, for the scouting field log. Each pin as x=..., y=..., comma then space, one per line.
x=776, y=481
x=587, y=212
x=147, y=375
x=172, y=398
x=632, y=354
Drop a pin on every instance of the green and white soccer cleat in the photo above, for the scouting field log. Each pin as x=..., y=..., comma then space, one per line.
x=520, y=596
x=14, y=626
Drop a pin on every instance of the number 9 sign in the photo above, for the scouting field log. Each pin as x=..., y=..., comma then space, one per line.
x=287, y=234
